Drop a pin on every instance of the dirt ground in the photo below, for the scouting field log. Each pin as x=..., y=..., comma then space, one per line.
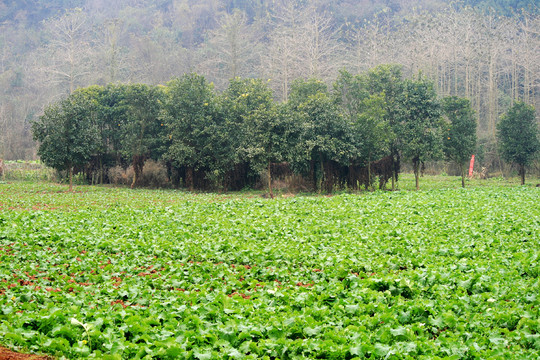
x=6, y=354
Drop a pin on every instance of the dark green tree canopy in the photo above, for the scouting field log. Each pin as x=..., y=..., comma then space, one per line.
x=349, y=92
x=66, y=132
x=189, y=111
x=326, y=135
x=366, y=112
x=301, y=90
x=459, y=131
x=388, y=80
x=237, y=104
x=143, y=134
x=419, y=125
x=517, y=132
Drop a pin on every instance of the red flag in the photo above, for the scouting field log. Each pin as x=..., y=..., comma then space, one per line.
x=471, y=167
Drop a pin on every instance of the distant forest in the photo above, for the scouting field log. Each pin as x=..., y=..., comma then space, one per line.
x=32, y=12
x=486, y=51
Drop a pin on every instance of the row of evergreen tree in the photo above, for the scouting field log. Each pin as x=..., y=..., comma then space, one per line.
x=350, y=135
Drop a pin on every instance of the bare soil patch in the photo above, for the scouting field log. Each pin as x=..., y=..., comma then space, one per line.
x=6, y=354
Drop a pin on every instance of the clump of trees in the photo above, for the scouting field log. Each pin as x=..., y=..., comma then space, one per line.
x=348, y=136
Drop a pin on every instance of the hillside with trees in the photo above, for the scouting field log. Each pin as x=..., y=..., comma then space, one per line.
x=483, y=51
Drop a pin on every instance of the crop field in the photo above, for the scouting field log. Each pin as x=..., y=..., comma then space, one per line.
x=130, y=274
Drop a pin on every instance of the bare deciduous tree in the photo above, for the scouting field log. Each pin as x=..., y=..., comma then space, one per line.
x=232, y=50
x=302, y=45
x=67, y=58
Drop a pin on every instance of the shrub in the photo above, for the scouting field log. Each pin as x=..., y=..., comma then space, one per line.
x=120, y=176
x=154, y=174
x=27, y=171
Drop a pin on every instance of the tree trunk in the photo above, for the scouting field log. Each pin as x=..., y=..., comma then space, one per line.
x=134, y=178
x=462, y=175
x=321, y=174
x=189, y=178
x=416, y=167
x=270, y=180
x=369, y=174
x=138, y=165
x=522, y=173
x=101, y=170
x=500, y=163
x=70, y=178
x=313, y=175
x=393, y=173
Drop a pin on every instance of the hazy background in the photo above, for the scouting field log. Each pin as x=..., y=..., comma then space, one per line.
x=487, y=51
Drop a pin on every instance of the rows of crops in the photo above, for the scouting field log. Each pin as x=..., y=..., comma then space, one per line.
x=115, y=273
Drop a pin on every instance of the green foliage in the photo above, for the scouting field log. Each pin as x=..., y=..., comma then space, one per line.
x=326, y=134
x=367, y=111
x=165, y=274
x=142, y=132
x=321, y=121
x=460, y=133
x=518, y=136
x=244, y=96
x=112, y=108
x=189, y=112
x=420, y=129
x=242, y=99
x=301, y=90
x=66, y=133
x=149, y=42
x=272, y=134
x=373, y=133
x=388, y=80
x=349, y=92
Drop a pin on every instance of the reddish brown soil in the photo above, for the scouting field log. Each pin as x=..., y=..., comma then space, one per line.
x=6, y=354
